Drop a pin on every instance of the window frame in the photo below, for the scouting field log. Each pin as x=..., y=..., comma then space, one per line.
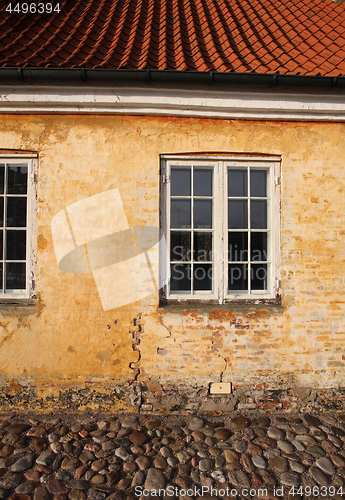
x=27, y=295
x=220, y=164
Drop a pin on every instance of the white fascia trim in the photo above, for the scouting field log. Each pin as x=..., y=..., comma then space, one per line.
x=172, y=102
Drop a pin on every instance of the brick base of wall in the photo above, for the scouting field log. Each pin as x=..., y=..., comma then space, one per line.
x=153, y=397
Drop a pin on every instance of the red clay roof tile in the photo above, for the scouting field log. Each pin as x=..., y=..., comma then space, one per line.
x=266, y=36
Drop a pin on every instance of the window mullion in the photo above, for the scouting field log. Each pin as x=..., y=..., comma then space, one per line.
x=5, y=232
x=28, y=224
x=165, y=266
x=221, y=237
x=192, y=230
x=249, y=234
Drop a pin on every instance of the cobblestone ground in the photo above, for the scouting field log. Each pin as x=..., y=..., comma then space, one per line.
x=129, y=456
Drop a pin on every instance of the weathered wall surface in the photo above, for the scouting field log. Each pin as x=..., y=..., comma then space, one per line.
x=67, y=344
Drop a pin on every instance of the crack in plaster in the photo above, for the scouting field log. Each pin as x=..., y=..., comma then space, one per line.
x=135, y=347
x=136, y=397
x=222, y=357
x=167, y=329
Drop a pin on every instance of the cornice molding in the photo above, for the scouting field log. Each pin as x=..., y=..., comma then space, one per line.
x=174, y=102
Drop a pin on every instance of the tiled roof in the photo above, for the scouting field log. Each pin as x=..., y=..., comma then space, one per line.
x=304, y=37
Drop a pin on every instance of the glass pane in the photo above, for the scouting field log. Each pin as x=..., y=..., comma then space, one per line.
x=15, y=276
x=203, y=214
x=259, y=277
x=258, y=246
x=16, y=212
x=180, y=182
x=1, y=211
x=15, y=245
x=180, y=280
x=238, y=277
x=237, y=214
x=1, y=275
x=202, y=277
x=258, y=214
x=180, y=245
x=2, y=179
x=258, y=182
x=17, y=179
x=180, y=213
x=238, y=246
x=202, y=246
x=1, y=245
x=202, y=182
x=237, y=182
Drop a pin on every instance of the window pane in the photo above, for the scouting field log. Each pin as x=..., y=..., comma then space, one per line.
x=237, y=182
x=1, y=211
x=258, y=246
x=238, y=246
x=15, y=276
x=1, y=275
x=202, y=182
x=15, y=245
x=237, y=277
x=180, y=280
x=180, y=245
x=17, y=179
x=203, y=214
x=258, y=182
x=258, y=214
x=16, y=212
x=237, y=214
x=2, y=179
x=180, y=213
x=202, y=277
x=1, y=245
x=259, y=277
x=180, y=182
x=202, y=246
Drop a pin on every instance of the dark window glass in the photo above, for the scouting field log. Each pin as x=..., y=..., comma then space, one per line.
x=2, y=179
x=15, y=245
x=180, y=182
x=238, y=246
x=202, y=246
x=259, y=277
x=180, y=213
x=258, y=244
x=180, y=245
x=238, y=214
x=15, y=276
x=237, y=277
x=202, y=182
x=203, y=214
x=258, y=214
x=17, y=179
x=1, y=211
x=16, y=212
x=1, y=275
x=258, y=182
x=237, y=182
x=180, y=279
x=202, y=277
x=1, y=245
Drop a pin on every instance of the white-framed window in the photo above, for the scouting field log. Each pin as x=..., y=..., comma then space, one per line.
x=221, y=220
x=17, y=227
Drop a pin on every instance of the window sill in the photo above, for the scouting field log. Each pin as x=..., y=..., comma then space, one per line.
x=227, y=305
x=17, y=302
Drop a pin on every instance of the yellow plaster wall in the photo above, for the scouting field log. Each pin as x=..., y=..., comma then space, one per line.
x=68, y=339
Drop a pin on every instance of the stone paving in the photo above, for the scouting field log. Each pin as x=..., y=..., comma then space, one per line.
x=129, y=456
